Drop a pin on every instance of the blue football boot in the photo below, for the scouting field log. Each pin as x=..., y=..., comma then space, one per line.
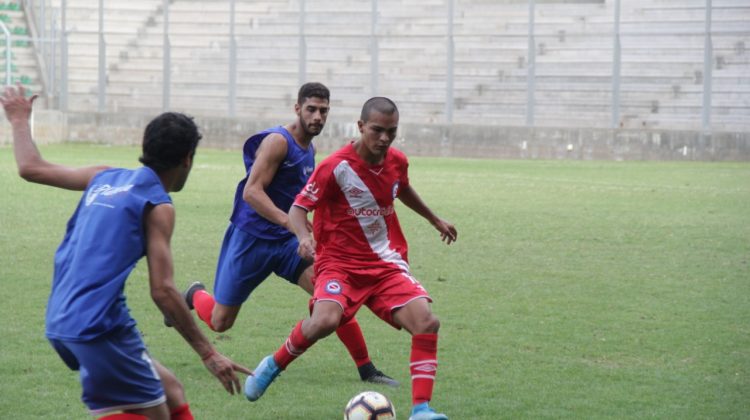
x=257, y=383
x=424, y=412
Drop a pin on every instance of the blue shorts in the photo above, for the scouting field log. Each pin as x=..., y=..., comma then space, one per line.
x=116, y=371
x=245, y=261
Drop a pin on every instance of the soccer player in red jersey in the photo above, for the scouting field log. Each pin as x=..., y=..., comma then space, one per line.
x=258, y=242
x=360, y=252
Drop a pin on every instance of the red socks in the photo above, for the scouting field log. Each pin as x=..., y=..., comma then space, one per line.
x=181, y=413
x=204, y=306
x=292, y=348
x=423, y=367
x=351, y=335
x=124, y=416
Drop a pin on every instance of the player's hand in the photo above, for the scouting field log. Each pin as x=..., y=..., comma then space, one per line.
x=224, y=370
x=306, y=248
x=17, y=106
x=448, y=233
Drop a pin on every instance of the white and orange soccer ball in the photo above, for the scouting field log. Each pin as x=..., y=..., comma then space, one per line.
x=369, y=405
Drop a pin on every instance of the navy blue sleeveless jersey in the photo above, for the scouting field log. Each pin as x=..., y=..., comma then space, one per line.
x=290, y=177
x=104, y=240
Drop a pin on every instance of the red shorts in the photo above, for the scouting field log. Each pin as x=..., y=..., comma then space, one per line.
x=383, y=290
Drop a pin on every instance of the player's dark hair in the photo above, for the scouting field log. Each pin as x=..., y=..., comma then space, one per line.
x=380, y=104
x=168, y=139
x=313, y=90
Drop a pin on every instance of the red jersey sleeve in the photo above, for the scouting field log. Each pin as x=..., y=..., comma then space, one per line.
x=316, y=188
x=402, y=165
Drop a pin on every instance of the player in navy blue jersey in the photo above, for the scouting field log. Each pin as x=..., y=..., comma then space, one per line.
x=123, y=215
x=278, y=162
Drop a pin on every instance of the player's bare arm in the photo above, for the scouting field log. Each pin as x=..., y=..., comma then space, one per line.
x=159, y=227
x=300, y=227
x=31, y=166
x=408, y=195
x=268, y=157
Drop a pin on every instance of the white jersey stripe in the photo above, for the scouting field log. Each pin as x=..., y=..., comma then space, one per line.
x=370, y=220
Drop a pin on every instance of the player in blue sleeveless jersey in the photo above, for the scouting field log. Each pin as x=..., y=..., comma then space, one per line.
x=123, y=215
x=278, y=162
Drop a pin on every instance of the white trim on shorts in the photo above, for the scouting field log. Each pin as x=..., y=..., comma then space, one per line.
x=330, y=300
x=136, y=406
x=429, y=299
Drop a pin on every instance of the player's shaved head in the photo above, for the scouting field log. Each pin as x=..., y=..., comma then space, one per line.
x=380, y=104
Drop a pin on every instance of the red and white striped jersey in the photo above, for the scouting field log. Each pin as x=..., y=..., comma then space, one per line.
x=355, y=224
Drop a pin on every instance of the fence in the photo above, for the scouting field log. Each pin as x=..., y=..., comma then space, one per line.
x=516, y=63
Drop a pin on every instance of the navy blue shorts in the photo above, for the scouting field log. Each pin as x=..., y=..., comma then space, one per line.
x=245, y=261
x=116, y=371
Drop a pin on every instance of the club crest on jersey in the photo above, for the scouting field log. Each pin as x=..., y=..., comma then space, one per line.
x=394, y=190
x=307, y=170
x=333, y=287
x=373, y=228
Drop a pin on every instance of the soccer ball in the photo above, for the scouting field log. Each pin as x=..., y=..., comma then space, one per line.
x=369, y=405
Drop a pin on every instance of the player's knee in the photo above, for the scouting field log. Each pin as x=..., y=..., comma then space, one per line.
x=173, y=389
x=430, y=324
x=323, y=325
x=435, y=324
x=221, y=323
x=326, y=326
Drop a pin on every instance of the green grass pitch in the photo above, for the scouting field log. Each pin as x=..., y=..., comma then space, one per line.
x=576, y=290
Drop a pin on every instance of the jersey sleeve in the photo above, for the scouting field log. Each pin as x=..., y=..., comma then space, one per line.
x=404, y=180
x=317, y=187
x=401, y=165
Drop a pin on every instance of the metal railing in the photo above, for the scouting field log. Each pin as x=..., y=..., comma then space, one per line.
x=53, y=46
x=8, y=55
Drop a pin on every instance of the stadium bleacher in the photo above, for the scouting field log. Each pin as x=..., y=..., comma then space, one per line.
x=661, y=83
x=23, y=66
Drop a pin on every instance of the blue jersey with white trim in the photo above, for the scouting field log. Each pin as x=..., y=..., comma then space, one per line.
x=104, y=240
x=290, y=177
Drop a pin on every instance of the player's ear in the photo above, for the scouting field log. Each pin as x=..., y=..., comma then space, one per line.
x=361, y=125
x=297, y=108
x=187, y=162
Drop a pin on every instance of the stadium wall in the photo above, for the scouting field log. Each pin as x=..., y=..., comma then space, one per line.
x=470, y=141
